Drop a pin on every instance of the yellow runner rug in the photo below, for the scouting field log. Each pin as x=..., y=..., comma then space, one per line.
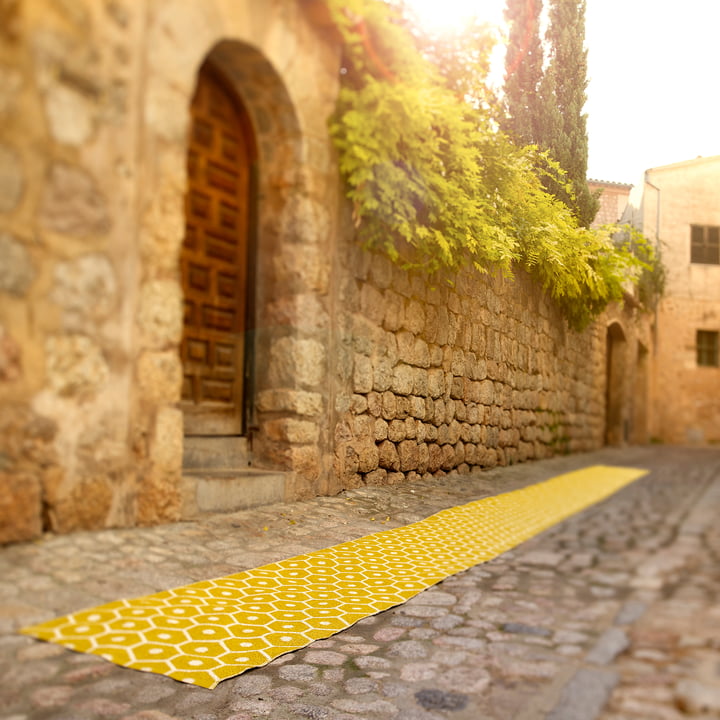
x=213, y=630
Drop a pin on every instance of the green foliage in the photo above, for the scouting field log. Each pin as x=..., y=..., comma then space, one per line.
x=437, y=186
x=563, y=126
x=523, y=71
x=544, y=107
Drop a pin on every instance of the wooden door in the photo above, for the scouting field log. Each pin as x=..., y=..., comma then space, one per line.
x=213, y=259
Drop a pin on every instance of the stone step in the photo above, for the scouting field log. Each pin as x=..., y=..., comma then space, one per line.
x=215, y=452
x=230, y=490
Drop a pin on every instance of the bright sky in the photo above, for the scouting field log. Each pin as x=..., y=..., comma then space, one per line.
x=653, y=95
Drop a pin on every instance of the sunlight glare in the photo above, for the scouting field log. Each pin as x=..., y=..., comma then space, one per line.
x=453, y=15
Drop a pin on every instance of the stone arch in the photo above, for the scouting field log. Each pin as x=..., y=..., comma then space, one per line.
x=289, y=324
x=616, y=425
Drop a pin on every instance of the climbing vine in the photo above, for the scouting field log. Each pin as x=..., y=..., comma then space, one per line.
x=436, y=185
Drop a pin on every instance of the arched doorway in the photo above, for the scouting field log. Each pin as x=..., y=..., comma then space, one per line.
x=214, y=260
x=616, y=428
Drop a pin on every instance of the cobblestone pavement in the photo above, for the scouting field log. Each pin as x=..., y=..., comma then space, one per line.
x=611, y=614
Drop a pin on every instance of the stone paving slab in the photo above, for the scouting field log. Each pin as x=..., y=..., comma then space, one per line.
x=506, y=639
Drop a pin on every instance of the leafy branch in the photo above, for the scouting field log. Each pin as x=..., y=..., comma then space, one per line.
x=436, y=185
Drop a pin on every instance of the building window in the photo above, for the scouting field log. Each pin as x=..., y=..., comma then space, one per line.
x=707, y=348
x=705, y=244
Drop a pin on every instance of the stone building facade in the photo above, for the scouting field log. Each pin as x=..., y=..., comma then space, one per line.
x=678, y=207
x=613, y=201
x=186, y=323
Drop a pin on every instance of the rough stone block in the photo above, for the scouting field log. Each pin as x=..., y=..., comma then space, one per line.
x=382, y=374
x=375, y=404
x=292, y=430
x=402, y=380
x=372, y=304
x=396, y=431
x=388, y=456
x=435, y=457
x=376, y=477
x=410, y=428
x=417, y=407
x=300, y=402
x=75, y=365
x=17, y=271
x=380, y=430
x=160, y=314
x=166, y=450
x=160, y=377
x=436, y=382
x=10, y=357
x=86, y=289
x=394, y=311
x=11, y=179
x=368, y=455
x=448, y=457
x=362, y=374
x=408, y=454
x=389, y=406
x=20, y=507
x=72, y=204
x=297, y=360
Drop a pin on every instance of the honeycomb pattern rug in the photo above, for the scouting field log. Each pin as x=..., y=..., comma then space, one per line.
x=213, y=630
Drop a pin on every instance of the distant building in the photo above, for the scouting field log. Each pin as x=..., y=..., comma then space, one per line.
x=613, y=201
x=678, y=207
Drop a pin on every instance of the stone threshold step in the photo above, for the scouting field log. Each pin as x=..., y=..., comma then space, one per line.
x=228, y=490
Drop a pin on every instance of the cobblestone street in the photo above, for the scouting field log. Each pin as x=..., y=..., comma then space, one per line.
x=611, y=614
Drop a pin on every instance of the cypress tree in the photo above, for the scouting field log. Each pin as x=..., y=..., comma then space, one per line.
x=523, y=71
x=563, y=130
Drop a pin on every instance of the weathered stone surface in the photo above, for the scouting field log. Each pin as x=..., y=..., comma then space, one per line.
x=72, y=204
x=11, y=178
x=585, y=695
x=159, y=376
x=163, y=227
x=167, y=442
x=86, y=289
x=20, y=507
x=408, y=453
x=300, y=402
x=10, y=357
x=85, y=506
x=368, y=456
x=11, y=81
x=382, y=374
x=388, y=456
x=17, y=271
x=160, y=314
x=69, y=114
x=402, y=380
x=75, y=365
x=292, y=430
x=295, y=360
x=698, y=698
x=362, y=374
x=610, y=644
x=372, y=304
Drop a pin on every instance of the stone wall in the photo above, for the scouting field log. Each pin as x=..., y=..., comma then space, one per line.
x=94, y=100
x=439, y=376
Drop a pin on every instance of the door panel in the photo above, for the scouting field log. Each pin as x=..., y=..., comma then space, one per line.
x=213, y=260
